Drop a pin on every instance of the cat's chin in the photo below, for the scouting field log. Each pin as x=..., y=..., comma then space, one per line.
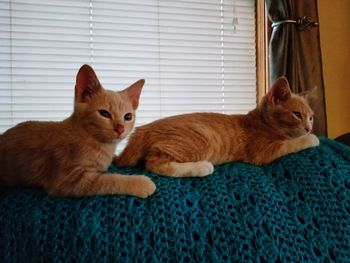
x=297, y=133
x=115, y=137
x=306, y=132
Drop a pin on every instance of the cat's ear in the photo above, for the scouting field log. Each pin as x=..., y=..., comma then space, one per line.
x=280, y=90
x=87, y=83
x=309, y=94
x=134, y=92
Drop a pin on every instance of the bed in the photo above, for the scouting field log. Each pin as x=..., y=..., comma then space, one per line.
x=296, y=209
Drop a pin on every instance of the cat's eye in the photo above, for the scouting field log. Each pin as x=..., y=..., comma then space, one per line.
x=128, y=116
x=311, y=118
x=297, y=114
x=105, y=114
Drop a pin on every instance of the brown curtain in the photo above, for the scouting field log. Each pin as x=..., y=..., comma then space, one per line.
x=295, y=51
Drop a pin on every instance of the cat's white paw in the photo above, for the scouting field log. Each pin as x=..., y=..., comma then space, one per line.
x=142, y=186
x=191, y=169
x=203, y=168
x=312, y=140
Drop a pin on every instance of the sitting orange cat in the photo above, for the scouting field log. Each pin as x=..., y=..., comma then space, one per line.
x=189, y=145
x=69, y=158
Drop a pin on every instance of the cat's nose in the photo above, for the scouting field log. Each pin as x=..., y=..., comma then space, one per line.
x=307, y=129
x=119, y=129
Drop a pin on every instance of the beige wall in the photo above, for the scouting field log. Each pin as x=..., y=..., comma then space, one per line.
x=335, y=47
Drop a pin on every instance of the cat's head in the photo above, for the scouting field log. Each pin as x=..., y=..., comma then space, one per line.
x=288, y=112
x=107, y=115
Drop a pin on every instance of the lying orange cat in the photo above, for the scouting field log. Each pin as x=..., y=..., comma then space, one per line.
x=69, y=158
x=189, y=145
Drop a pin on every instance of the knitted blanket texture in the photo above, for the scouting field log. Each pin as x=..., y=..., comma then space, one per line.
x=296, y=209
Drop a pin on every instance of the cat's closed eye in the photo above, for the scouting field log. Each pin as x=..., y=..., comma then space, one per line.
x=128, y=116
x=297, y=114
x=105, y=114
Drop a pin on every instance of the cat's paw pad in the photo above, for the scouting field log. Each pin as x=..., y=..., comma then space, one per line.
x=142, y=186
x=312, y=140
x=203, y=168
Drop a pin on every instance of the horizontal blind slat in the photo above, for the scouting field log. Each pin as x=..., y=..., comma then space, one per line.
x=186, y=50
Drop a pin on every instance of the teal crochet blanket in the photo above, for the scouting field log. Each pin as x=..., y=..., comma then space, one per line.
x=296, y=209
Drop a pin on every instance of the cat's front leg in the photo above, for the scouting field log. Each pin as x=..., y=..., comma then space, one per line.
x=302, y=143
x=278, y=149
x=298, y=144
x=82, y=183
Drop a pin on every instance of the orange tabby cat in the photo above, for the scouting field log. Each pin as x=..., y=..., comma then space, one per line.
x=189, y=145
x=69, y=158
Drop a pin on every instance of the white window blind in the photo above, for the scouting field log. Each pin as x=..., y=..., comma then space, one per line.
x=192, y=57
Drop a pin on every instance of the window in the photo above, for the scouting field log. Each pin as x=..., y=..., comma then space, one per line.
x=196, y=55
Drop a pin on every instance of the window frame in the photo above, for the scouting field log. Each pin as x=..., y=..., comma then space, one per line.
x=262, y=57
